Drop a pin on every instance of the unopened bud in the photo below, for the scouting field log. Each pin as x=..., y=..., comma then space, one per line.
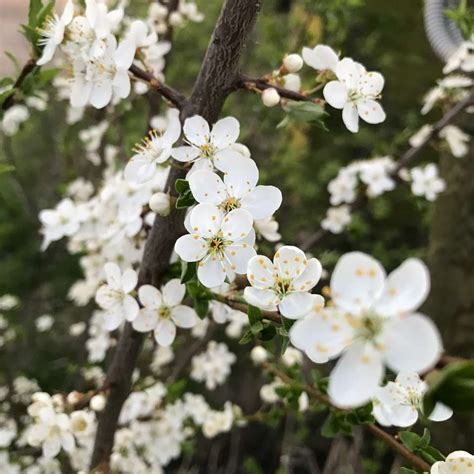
x=258, y=355
x=270, y=97
x=97, y=402
x=160, y=203
x=74, y=397
x=293, y=62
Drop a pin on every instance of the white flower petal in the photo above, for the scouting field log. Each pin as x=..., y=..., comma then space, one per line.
x=262, y=201
x=350, y=117
x=357, y=282
x=113, y=275
x=335, y=93
x=310, y=276
x=130, y=307
x=441, y=412
x=207, y=187
x=51, y=446
x=211, y=271
x=403, y=415
x=295, y=305
x=321, y=57
x=190, y=248
x=238, y=256
x=113, y=319
x=206, y=220
x=101, y=94
x=129, y=280
x=225, y=132
x=356, y=377
x=290, y=262
x=406, y=288
x=185, y=153
x=237, y=225
x=242, y=176
x=146, y=320
x=196, y=130
x=412, y=344
x=184, y=316
x=371, y=84
x=348, y=72
x=150, y=296
x=264, y=299
x=173, y=292
x=165, y=332
x=260, y=272
x=370, y=111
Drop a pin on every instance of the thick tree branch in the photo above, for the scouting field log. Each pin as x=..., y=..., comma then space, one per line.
x=170, y=94
x=213, y=85
x=408, y=158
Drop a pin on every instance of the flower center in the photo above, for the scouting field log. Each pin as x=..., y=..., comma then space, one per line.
x=230, y=204
x=370, y=327
x=149, y=146
x=216, y=245
x=207, y=150
x=282, y=286
x=164, y=312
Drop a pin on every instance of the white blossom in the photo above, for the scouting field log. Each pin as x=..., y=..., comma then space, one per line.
x=337, y=218
x=426, y=182
x=270, y=97
x=457, y=462
x=238, y=190
x=457, y=140
x=162, y=311
x=372, y=323
x=321, y=58
x=221, y=244
x=293, y=62
x=398, y=403
x=208, y=148
x=115, y=298
x=284, y=283
x=155, y=150
x=462, y=58
x=355, y=92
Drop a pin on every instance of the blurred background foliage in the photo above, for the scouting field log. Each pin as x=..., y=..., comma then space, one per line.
x=300, y=159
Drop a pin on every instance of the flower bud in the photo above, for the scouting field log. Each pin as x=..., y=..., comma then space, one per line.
x=292, y=82
x=270, y=97
x=74, y=397
x=175, y=19
x=160, y=203
x=97, y=402
x=293, y=62
x=258, y=355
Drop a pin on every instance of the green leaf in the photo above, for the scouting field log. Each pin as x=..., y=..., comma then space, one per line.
x=425, y=439
x=33, y=10
x=286, y=325
x=14, y=61
x=267, y=333
x=202, y=307
x=188, y=271
x=254, y=314
x=246, y=337
x=307, y=112
x=410, y=440
x=430, y=454
x=5, y=95
x=4, y=168
x=453, y=386
x=405, y=470
x=181, y=186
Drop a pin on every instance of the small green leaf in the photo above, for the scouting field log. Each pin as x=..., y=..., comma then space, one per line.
x=188, y=271
x=409, y=439
x=4, y=168
x=307, y=112
x=453, y=386
x=202, y=307
x=33, y=10
x=405, y=470
x=246, y=337
x=14, y=61
x=430, y=454
x=254, y=314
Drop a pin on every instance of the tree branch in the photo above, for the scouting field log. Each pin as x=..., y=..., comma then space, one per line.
x=213, y=85
x=170, y=94
x=387, y=438
x=246, y=82
x=407, y=158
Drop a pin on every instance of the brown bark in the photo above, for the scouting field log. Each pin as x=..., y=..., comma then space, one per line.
x=214, y=83
x=451, y=302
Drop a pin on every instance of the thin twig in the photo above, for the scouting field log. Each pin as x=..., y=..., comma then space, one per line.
x=407, y=158
x=387, y=438
x=249, y=83
x=170, y=94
